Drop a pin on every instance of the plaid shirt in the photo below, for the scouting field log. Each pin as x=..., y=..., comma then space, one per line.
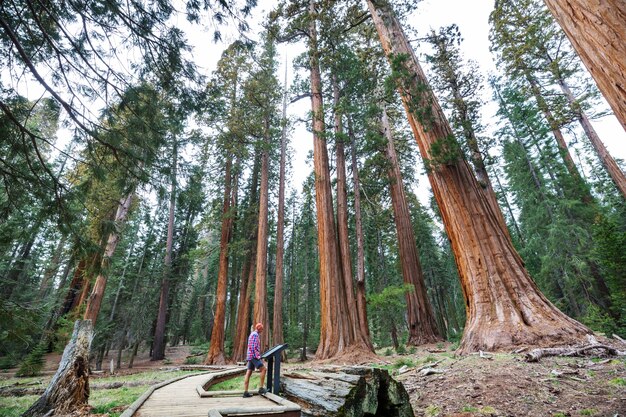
x=254, y=346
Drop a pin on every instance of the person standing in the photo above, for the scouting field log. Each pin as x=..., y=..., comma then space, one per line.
x=254, y=360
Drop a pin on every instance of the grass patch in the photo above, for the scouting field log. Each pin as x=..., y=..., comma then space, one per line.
x=399, y=363
x=620, y=382
x=559, y=414
x=588, y=412
x=150, y=377
x=114, y=401
x=432, y=411
x=30, y=381
x=469, y=409
x=15, y=406
x=236, y=384
x=488, y=411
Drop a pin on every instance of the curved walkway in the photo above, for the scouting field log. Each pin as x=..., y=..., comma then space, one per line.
x=180, y=398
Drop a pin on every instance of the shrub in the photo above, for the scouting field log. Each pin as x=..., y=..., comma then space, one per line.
x=33, y=363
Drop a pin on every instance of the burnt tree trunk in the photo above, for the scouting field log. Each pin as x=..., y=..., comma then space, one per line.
x=215, y=355
x=68, y=391
x=420, y=316
x=597, y=30
x=504, y=306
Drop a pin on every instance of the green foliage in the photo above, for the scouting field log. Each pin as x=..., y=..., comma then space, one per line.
x=33, y=363
x=620, y=382
x=401, y=349
x=588, y=412
x=433, y=411
x=399, y=363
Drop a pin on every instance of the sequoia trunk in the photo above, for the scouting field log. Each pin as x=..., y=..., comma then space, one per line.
x=336, y=328
x=504, y=306
x=422, y=324
x=597, y=30
x=216, y=350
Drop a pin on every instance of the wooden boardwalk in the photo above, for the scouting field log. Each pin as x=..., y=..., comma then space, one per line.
x=181, y=399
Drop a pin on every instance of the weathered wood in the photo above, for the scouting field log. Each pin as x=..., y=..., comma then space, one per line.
x=69, y=388
x=352, y=391
x=536, y=354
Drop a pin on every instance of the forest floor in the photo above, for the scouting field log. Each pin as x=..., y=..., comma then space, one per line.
x=469, y=386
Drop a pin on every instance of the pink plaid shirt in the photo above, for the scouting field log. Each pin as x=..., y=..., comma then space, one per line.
x=254, y=346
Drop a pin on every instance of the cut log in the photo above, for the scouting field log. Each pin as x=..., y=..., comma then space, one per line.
x=350, y=391
x=68, y=391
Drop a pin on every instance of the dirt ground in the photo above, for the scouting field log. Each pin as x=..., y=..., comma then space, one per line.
x=468, y=386
x=505, y=385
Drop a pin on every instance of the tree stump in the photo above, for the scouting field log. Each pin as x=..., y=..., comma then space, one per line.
x=68, y=391
x=347, y=392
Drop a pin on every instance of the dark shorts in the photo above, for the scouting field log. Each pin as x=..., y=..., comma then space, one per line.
x=255, y=364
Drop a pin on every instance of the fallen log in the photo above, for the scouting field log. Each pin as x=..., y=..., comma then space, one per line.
x=350, y=391
x=536, y=354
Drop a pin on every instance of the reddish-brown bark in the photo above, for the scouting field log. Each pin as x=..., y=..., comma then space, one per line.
x=361, y=301
x=609, y=164
x=504, y=306
x=260, y=296
x=280, y=231
x=97, y=294
x=215, y=355
x=343, y=237
x=597, y=30
x=420, y=317
x=336, y=329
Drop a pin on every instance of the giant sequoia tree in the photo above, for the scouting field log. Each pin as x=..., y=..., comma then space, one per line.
x=597, y=30
x=504, y=306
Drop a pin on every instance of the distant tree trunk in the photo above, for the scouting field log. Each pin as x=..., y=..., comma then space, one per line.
x=420, y=316
x=504, y=306
x=215, y=355
x=97, y=294
x=12, y=278
x=609, y=164
x=343, y=237
x=597, y=30
x=249, y=269
x=51, y=270
x=68, y=391
x=74, y=289
x=556, y=130
x=158, y=351
x=360, y=246
x=337, y=332
x=280, y=231
x=260, y=296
